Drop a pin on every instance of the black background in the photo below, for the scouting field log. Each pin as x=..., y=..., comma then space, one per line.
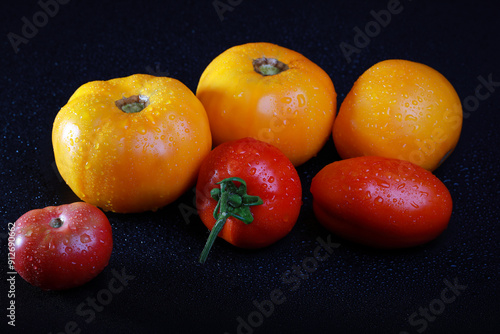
x=357, y=289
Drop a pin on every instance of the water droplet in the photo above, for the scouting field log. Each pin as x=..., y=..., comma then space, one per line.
x=84, y=238
x=379, y=200
x=410, y=118
x=415, y=205
x=171, y=117
x=271, y=179
x=368, y=195
x=69, y=250
x=401, y=186
x=301, y=99
x=253, y=171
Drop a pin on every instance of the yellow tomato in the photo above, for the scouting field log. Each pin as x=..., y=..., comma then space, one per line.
x=272, y=94
x=400, y=109
x=131, y=144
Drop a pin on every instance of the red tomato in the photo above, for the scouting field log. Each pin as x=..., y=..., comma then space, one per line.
x=267, y=174
x=61, y=247
x=381, y=202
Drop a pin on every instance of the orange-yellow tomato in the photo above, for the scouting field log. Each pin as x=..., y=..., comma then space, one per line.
x=131, y=144
x=272, y=94
x=400, y=109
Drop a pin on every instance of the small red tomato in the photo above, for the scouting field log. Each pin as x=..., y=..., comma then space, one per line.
x=61, y=247
x=381, y=202
x=248, y=193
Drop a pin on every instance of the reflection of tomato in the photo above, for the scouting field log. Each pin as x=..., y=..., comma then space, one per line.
x=270, y=93
x=381, y=202
x=400, y=109
x=61, y=247
x=131, y=144
x=268, y=174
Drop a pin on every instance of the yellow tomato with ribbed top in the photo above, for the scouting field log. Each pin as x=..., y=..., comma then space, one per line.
x=131, y=144
x=270, y=93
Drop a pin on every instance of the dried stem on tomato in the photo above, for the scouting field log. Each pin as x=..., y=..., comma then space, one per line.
x=269, y=66
x=232, y=201
x=132, y=104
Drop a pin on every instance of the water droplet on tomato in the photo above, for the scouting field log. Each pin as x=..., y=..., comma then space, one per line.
x=384, y=184
x=84, y=238
x=271, y=179
x=415, y=205
x=379, y=200
x=69, y=250
x=253, y=171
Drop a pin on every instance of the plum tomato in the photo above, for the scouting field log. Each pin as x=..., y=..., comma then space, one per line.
x=381, y=202
x=62, y=247
x=252, y=184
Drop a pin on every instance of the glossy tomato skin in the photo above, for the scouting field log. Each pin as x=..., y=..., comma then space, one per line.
x=400, y=109
x=293, y=110
x=381, y=202
x=57, y=258
x=269, y=174
x=131, y=162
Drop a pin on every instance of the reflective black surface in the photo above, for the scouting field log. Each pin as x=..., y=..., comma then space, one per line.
x=447, y=286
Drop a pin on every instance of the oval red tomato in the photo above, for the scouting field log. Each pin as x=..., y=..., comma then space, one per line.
x=61, y=247
x=268, y=174
x=381, y=202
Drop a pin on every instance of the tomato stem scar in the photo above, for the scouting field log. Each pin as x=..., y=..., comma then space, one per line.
x=269, y=66
x=132, y=104
x=56, y=222
x=232, y=201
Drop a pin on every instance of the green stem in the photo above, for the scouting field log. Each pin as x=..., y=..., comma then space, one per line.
x=219, y=224
x=232, y=201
